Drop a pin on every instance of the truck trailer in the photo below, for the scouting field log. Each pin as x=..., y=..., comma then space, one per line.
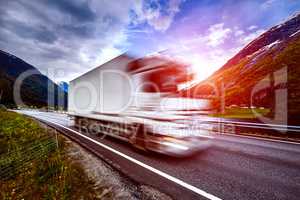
x=136, y=100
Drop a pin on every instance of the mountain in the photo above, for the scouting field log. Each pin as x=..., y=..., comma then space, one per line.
x=36, y=89
x=261, y=72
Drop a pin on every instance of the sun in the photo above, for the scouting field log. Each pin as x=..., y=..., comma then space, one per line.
x=201, y=66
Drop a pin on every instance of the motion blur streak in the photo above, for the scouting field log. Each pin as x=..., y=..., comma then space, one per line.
x=156, y=171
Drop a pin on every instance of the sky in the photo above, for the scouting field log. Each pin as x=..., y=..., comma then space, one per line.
x=65, y=38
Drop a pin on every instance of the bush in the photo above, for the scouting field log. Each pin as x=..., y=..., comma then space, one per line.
x=2, y=107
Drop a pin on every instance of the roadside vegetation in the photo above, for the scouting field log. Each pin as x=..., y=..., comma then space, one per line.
x=34, y=163
x=242, y=113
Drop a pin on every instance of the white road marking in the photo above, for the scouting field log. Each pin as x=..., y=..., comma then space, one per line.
x=156, y=171
x=163, y=174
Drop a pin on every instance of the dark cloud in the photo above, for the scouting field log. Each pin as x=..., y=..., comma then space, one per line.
x=73, y=35
x=79, y=30
x=38, y=33
x=78, y=10
x=62, y=18
x=63, y=34
x=8, y=22
x=53, y=53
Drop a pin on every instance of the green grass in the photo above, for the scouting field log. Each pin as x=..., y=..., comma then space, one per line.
x=242, y=113
x=33, y=167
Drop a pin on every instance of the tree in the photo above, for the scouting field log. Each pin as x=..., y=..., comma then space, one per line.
x=1, y=93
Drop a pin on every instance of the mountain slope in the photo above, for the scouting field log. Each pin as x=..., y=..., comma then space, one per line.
x=34, y=89
x=267, y=66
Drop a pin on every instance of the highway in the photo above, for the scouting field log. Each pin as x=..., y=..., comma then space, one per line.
x=234, y=167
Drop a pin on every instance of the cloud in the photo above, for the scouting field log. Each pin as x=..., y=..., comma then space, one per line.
x=156, y=15
x=238, y=33
x=39, y=33
x=76, y=36
x=73, y=36
x=217, y=34
x=250, y=28
x=267, y=4
x=251, y=36
x=79, y=10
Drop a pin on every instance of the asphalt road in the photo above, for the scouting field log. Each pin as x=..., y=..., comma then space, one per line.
x=235, y=167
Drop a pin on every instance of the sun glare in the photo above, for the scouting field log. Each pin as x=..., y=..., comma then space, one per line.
x=201, y=67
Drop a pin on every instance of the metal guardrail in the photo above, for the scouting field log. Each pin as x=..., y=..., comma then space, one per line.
x=277, y=127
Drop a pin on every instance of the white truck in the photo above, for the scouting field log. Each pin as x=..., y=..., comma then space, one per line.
x=136, y=100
